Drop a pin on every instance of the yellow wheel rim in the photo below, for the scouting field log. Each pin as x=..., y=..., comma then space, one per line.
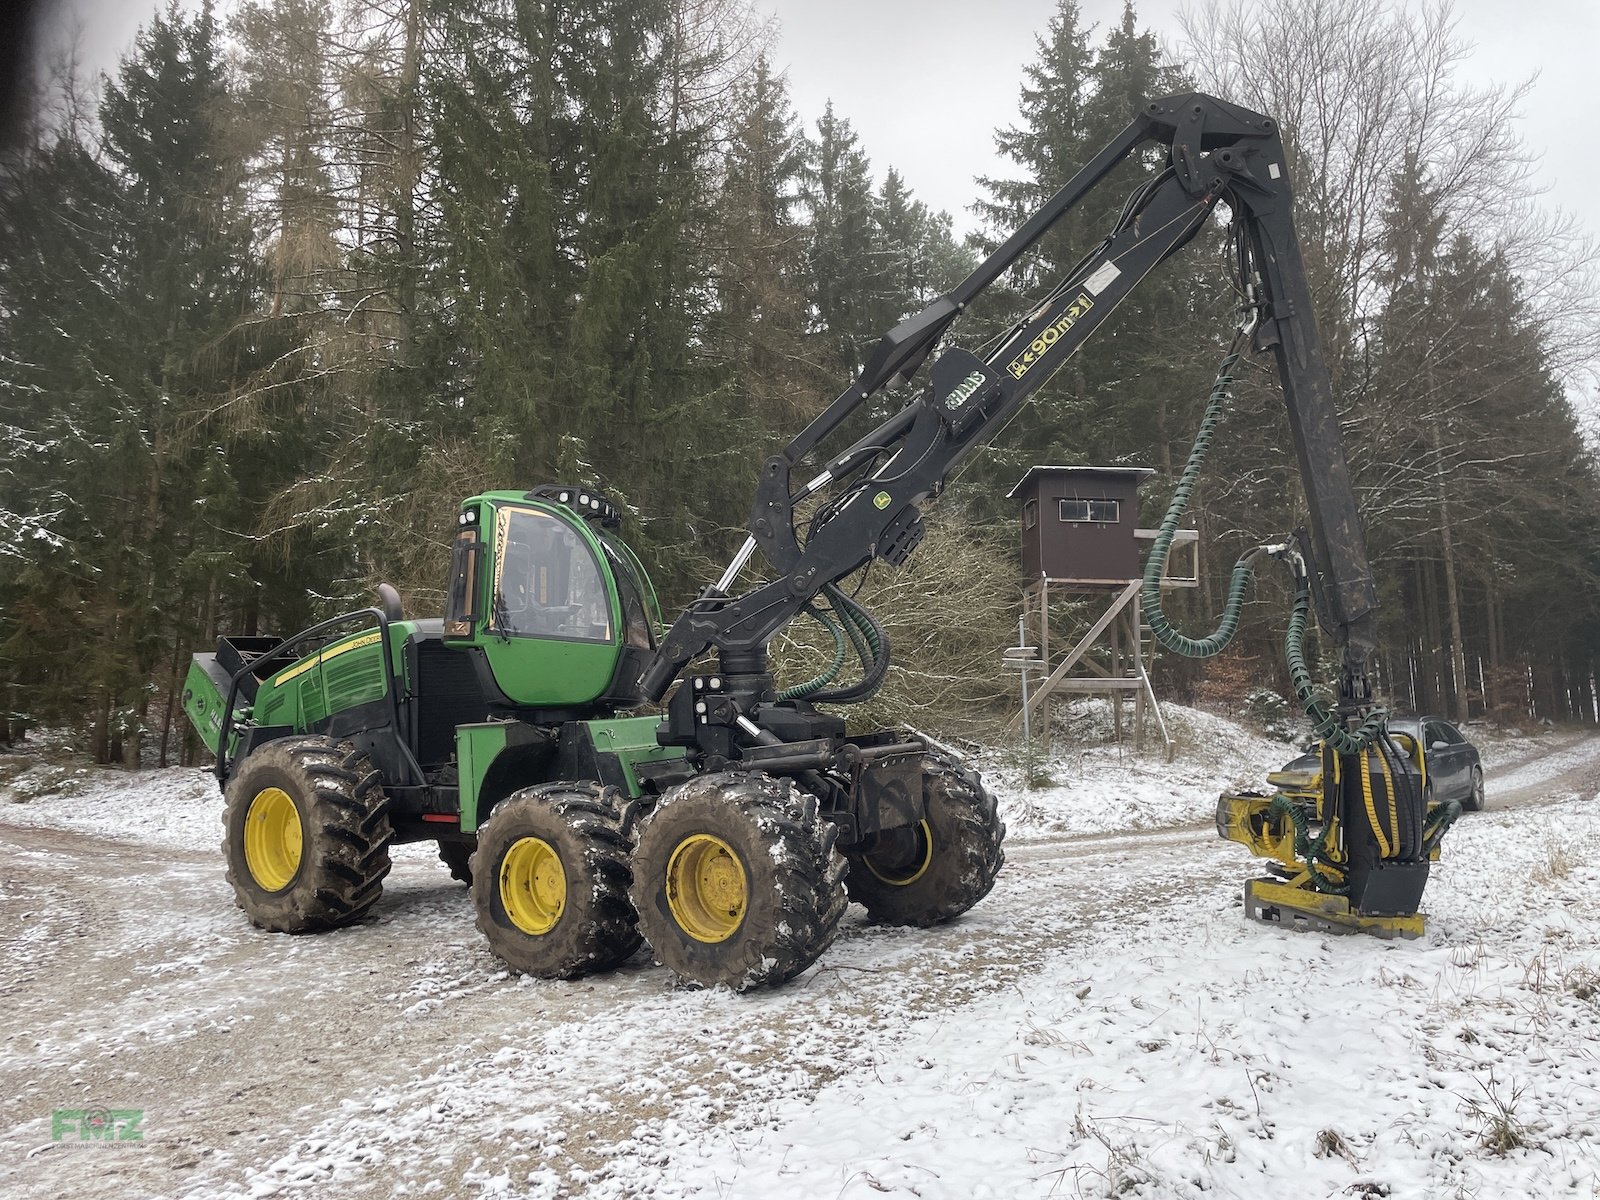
x=272, y=839
x=904, y=876
x=706, y=888
x=533, y=886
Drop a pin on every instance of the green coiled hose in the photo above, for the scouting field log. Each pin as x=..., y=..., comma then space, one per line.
x=1327, y=724
x=1150, y=588
x=830, y=673
x=872, y=647
x=867, y=639
x=1305, y=848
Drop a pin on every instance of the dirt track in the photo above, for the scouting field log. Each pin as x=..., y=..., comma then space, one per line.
x=132, y=982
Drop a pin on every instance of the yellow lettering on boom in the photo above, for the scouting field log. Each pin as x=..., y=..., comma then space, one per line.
x=1049, y=336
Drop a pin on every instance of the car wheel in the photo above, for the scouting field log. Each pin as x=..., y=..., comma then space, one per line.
x=1474, y=800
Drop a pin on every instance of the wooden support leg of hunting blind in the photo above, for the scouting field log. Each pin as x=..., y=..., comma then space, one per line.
x=1123, y=625
x=1055, y=677
x=1117, y=673
x=1138, y=667
x=1045, y=733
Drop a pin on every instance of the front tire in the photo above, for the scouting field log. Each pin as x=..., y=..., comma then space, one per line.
x=550, y=881
x=737, y=882
x=940, y=867
x=1474, y=800
x=306, y=835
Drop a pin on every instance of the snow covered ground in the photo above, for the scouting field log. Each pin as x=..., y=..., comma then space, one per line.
x=1187, y=1054
x=1104, y=1025
x=1101, y=786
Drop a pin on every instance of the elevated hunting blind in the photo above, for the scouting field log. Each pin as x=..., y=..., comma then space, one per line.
x=1080, y=539
x=1078, y=524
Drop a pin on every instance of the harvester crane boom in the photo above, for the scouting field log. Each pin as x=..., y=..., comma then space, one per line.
x=1216, y=153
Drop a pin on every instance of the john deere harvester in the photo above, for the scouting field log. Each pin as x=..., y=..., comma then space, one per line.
x=496, y=732
x=728, y=829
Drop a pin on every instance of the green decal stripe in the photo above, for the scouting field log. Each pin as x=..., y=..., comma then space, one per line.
x=366, y=639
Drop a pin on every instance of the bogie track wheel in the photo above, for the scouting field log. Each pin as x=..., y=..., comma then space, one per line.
x=457, y=856
x=550, y=881
x=940, y=867
x=306, y=835
x=737, y=881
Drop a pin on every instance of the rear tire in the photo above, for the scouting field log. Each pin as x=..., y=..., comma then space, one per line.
x=737, y=881
x=941, y=867
x=550, y=881
x=306, y=835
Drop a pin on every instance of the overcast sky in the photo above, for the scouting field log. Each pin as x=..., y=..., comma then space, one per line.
x=926, y=82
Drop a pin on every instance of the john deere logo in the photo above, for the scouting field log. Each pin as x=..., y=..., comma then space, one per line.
x=97, y=1125
x=963, y=390
x=881, y=500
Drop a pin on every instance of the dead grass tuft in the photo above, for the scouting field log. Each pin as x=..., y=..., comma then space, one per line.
x=1559, y=854
x=1582, y=982
x=1500, y=1129
x=1331, y=1143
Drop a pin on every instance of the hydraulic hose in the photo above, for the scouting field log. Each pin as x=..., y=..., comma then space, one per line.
x=1325, y=722
x=872, y=646
x=801, y=690
x=865, y=633
x=1305, y=848
x=1239, y=582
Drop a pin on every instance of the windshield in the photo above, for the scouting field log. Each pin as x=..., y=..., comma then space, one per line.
x=547, y=582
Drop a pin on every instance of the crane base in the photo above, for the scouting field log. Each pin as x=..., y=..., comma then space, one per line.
x=1276, y=903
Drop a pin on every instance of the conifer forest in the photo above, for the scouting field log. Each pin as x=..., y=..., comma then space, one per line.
x=296, y=276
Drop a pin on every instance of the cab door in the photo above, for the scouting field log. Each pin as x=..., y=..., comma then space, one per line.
x=551, y=625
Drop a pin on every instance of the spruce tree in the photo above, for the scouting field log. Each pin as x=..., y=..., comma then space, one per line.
x=843, y=253
x=1115, y=400
x=758, y=328
x=137, y=344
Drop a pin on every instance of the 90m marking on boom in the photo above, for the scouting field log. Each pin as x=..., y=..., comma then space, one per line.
x=1023, y=363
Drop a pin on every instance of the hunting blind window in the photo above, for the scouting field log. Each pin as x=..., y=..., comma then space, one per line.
x=1106, y=512
x=1030, y=514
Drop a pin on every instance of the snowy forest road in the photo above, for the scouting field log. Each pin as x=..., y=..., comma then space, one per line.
x=397, y=1055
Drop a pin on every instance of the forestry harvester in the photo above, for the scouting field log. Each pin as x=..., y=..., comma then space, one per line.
x=729, y=831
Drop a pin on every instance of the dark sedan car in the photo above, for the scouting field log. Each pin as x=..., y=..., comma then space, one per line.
x=1455, y=770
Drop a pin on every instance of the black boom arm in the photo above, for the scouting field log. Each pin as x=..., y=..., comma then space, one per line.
x=1216, y=153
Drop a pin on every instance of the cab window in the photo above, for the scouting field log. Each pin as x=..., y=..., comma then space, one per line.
x=637, y=629
x=547, y=582
x=460, y=609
